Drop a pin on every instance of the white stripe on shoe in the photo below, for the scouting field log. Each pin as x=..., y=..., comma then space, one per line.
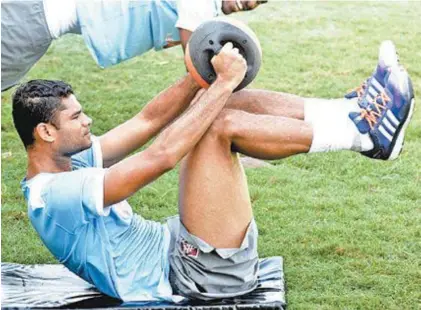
x=392, y=118
x=388, y=125
x=385, y=133
x=377, y=85
x=372, y=92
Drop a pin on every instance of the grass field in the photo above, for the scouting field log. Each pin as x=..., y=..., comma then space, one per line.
x=348, y=227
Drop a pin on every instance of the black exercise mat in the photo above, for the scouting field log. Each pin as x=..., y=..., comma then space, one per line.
x=54, y=286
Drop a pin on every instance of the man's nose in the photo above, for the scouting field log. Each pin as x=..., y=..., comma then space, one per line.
x=87, y=121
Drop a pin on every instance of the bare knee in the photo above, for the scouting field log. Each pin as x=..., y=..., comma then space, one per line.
x=239, y=100
x=225, y=125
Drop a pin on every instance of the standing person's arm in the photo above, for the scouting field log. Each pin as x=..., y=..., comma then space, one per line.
x=184, y=37
x=192, y=13
x=126, y=177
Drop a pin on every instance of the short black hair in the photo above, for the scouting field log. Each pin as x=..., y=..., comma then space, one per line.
x=36, y=102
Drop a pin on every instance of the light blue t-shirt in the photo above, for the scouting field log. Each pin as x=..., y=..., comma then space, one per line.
x=122, y=254
x=117, y=30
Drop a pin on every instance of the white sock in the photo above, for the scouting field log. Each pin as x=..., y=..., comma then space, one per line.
x=333, y=130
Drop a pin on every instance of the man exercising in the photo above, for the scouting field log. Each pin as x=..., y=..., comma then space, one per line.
x=113, y=31
x=76, y=185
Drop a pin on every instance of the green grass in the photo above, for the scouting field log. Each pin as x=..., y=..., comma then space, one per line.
x=348, y=227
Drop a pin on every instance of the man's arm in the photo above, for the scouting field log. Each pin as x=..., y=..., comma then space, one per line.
x=184, y=37
x=126, y=177
x=165, y=107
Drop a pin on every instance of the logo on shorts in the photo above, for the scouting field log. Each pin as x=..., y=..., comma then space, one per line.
x=189, y=249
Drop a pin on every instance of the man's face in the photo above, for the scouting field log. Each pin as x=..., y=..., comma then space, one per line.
x=231, y=6
x=73, y=128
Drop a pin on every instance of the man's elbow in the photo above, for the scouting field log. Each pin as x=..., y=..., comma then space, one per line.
x=134, y=173
x=168, y=162
x=166, y=157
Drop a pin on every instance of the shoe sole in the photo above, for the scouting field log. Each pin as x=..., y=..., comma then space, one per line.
x=398, y=141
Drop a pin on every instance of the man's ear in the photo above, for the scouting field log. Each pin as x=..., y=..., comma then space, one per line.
x=46, y=132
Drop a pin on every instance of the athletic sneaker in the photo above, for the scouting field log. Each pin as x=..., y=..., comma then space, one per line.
x=386, y=116
x=374, y=85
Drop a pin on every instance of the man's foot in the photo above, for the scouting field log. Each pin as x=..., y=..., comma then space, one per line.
x=375, y=84
x=385, y=117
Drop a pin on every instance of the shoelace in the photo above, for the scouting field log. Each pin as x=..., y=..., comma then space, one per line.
x=373, y=111
x=359, y=90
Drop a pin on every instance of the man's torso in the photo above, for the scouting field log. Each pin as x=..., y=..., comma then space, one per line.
x=122, y=254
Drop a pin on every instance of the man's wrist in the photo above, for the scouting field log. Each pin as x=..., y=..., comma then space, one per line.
x=222, y=83
x=226, y=84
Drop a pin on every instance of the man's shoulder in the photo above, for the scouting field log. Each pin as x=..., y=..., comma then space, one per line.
x=60, y=187
x=66, y=199
x=55, y=207
x=37, y=189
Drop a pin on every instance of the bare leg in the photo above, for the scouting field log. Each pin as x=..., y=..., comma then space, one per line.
x=332, y=127
x=258, y=101
x=214, y=200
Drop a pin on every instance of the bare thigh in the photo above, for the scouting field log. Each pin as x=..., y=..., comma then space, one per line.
x=258, y=101
x=214, y=200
